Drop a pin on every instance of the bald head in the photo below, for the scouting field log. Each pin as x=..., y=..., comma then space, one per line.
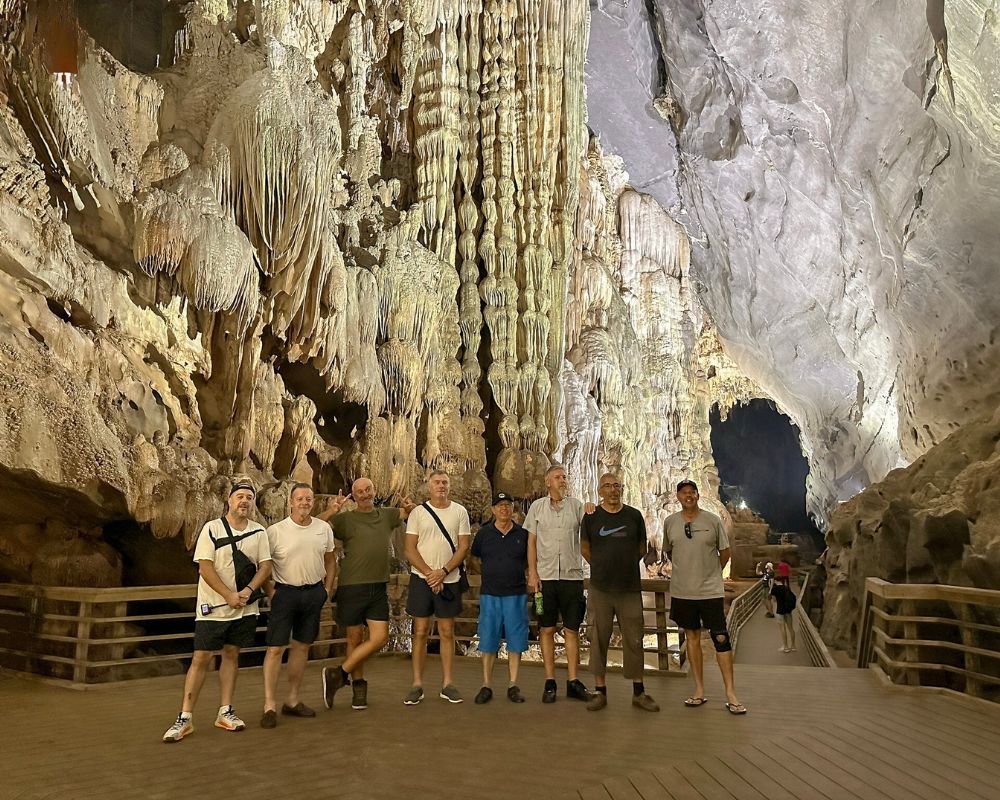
x=363, y=492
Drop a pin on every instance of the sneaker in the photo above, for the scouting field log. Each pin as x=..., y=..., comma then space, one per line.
x=549, y=695
x=451, y=694
x=645, y=702
x=227, y=720
x=359, y=699
x=514, y=695
x=300, y=709
x=577, y=690
x=269, y=720
x=415, y=695
x=181, y=728
x=597, y=701
x=333, y=679
x=484, y=696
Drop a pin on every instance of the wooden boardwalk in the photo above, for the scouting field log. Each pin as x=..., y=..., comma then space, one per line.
x=811, y=733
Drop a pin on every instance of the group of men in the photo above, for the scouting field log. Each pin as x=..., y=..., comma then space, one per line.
x=294, y=563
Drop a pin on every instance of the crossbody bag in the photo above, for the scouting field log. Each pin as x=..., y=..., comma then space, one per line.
x=244, y=568
x=463, y=580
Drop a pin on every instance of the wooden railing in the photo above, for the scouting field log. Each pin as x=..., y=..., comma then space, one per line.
x=83, y=636
x=741, y=609
x=930, y=635
x=818, y=652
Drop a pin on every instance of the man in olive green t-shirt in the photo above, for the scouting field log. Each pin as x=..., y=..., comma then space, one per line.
x=361, y=594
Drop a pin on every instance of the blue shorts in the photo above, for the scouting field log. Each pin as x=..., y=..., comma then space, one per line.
x=503, y=617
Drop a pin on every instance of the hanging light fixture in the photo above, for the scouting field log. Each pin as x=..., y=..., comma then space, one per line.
x=57, y=23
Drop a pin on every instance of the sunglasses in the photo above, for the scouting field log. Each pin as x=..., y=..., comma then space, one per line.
x=687, y=529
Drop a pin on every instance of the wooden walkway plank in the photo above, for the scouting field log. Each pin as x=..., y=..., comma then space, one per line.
x=969, y=741
x=844, y=774
x=764, y=783
x=594, y=793
x=621, y=789
x=799, y=785
x=806, y=768
x=677, y=784
x=918, y=763
x=889, y=778
x=732, y=781
x=706, y=785
x=648, y=787
x=924, y=755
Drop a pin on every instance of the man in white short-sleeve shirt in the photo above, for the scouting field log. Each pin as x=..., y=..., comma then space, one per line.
x=226, y=616
x=699, y=550
x=555, y=568
x=304, y=568
x=434, y=581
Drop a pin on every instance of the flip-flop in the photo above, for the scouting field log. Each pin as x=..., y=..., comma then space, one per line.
x=694, y=702
x=736, y=708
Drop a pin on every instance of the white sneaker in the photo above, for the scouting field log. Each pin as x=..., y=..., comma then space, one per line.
x=227, y=720
x=181, y=728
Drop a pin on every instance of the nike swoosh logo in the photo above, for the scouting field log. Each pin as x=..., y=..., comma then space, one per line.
x=610, y=531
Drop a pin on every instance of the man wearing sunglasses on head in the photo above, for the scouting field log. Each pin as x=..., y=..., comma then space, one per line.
x=699, y=550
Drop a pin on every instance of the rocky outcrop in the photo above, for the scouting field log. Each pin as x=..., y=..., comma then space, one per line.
x=309, y=241
x=838, y=165
x=936, y=521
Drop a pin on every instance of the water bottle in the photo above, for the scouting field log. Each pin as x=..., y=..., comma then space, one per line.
x=538, y=603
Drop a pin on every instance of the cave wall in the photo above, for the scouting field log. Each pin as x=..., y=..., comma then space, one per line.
x=321, y=240
x=837, y=167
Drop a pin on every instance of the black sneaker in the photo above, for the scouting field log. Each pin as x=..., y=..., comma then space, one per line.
x=333, y=679
x=484, y=696
x=514, y=695
x=549, y=695
x=576, y=690
x=359, y=701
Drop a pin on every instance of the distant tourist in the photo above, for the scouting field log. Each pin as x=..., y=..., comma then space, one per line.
x=784, y=568
x=766, y=573
x=362, y=587
x=437, y=541
x=785, y=601
x=699, y=550
x=555, y=567
x=502, y=547
x=304, y=566
x=613, y=541
x=230, y=551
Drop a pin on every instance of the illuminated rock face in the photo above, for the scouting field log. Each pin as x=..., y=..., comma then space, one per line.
x=324, y=240
x=839, y=166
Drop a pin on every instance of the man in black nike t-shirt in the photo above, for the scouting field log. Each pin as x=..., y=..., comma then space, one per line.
x=613, y=540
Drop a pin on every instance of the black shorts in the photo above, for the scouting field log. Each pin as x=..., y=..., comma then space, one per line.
x=691, y=615
x=213, y=634
x=562, y=599
x=295, y=613
x=422, y=602
x=359, y=602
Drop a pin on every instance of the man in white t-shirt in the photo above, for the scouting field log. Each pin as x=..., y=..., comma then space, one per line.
x=304, y=568
x=226, y=616
x=434, y=580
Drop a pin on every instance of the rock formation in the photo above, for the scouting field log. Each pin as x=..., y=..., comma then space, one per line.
x=936, y=521
x=304, y=240
x=836, y=165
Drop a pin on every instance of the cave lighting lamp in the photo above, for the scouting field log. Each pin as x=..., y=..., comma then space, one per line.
x=57, y=23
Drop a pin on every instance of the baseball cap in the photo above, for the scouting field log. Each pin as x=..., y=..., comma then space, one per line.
x=687, y=482
x=243, y=485
x=502, y=497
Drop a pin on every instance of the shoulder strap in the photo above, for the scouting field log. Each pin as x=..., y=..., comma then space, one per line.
x=230, y=539
x=440, y=524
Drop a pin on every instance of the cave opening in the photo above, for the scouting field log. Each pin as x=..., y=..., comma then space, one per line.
x=760, y=462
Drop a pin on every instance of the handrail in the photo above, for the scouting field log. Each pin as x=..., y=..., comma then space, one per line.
x=741, y=609
x=928, y=648
x=819, y=653
x=83, y=635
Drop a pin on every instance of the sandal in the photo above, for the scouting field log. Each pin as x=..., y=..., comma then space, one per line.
x=694, y=702
x=736, y=708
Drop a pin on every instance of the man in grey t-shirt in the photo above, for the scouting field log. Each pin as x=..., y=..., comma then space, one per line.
x=699, y=550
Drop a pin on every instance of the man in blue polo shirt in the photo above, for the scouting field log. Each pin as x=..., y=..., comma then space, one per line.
x=502, y=546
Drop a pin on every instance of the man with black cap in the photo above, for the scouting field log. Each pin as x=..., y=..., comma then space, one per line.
x=226, y=615
x=502, y=547
x=699, y=550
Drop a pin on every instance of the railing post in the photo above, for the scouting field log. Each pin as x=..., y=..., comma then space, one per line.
x=972, y=661
x=662, y=642
x=82, y=642
x=911, y=632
